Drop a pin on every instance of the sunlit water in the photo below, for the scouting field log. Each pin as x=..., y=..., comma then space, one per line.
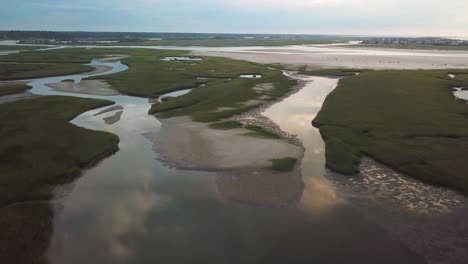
x=461, y=94
x=131, y=208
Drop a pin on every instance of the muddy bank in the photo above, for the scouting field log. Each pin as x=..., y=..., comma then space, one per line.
x=112, y=119
x=191, y=145
x=429, y=220
x=243, y=163
x=255, y=116
x=91, y=87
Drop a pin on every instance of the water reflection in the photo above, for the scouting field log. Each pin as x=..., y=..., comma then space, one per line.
x=130, y=208
x=294, y=115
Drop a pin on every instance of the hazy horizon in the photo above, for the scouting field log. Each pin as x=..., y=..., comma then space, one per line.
x=328, y=17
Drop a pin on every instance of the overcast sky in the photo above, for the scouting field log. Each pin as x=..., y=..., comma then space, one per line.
x=367, y=17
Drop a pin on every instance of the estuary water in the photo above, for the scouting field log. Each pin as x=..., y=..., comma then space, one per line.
x=131, y=208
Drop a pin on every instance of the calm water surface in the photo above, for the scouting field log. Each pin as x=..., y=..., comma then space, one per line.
x=130, y=208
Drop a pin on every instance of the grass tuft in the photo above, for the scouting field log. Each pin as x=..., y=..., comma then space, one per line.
x=284, y=164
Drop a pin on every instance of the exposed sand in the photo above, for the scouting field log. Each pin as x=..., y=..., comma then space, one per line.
x=329, y=57
x=92, y=87
x=191, y=145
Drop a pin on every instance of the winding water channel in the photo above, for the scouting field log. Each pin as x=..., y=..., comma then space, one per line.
x=131, y=208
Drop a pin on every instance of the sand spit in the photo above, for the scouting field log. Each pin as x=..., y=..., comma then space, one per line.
x=430, y=220
x=92, y=87
x=110, y=120
x=243, y=163
x=110, y=109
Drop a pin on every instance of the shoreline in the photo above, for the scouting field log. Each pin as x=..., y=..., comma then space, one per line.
x=429, y=220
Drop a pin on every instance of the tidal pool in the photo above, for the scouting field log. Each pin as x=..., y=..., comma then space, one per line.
x=181, y=59
x=461, y=93
x=131, y=208
x=251, y=76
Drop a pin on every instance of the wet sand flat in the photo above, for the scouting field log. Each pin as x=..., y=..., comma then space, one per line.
x=188, y=144
x=91, y=87
x=327, y=57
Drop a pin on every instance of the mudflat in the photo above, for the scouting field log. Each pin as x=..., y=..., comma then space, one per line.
x=92, y=87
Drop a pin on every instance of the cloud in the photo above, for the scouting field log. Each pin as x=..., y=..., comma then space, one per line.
x=255, y=16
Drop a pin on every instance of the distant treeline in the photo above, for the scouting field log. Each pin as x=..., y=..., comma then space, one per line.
x=82, y=35
x=415, y=41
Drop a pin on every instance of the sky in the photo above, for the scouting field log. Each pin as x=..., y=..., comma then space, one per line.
x=349, y=17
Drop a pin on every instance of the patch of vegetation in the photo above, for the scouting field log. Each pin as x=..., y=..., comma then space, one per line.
x=39, y=150
x=13, y=89
x=407, y=119
x=330, y=72
x=284, y=164
x=226, y=125
x=150, y=77
x=28, y=71
x=341, y=157
x=42, y=148
x=258, y=131
x=167, y=98
x=224, y=90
